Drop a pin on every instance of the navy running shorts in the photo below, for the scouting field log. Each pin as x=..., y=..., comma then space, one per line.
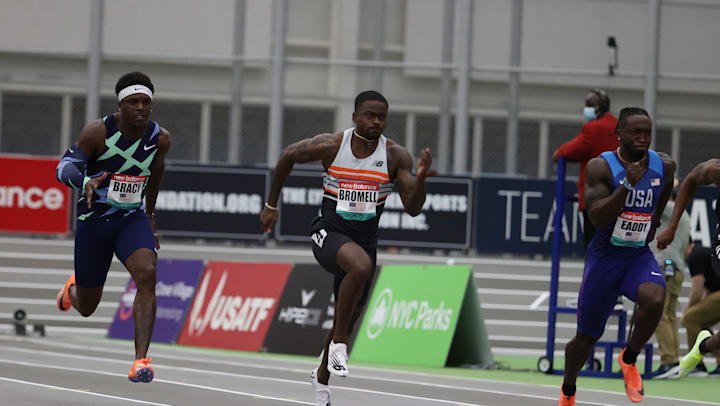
x=608, y=274
x=96, y=241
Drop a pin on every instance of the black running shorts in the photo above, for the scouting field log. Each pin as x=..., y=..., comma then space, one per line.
x=326, y=245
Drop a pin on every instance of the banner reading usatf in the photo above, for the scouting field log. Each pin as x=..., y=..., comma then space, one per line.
x=412, y=315
x=305, y=312
x=31, y=198
x=203, y=201
x=174, y=290
x=234, y=305
x=445, y=221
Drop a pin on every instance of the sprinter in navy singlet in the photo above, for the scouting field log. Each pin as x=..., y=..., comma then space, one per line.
x=625, y=191
x=360, y=166
x=118, y=163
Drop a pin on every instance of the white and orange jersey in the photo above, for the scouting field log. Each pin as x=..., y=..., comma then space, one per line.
x=358, y=185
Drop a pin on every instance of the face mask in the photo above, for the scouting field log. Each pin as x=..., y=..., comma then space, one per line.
x=589, y=113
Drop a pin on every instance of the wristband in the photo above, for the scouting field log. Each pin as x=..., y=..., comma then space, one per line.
x=267, y=206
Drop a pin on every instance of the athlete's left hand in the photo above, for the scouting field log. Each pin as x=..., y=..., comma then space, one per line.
x=268, y=218
x=424, y=164
x=153, y=224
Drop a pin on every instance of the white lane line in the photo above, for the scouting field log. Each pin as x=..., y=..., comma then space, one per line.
x=54, y=271
x=52, y=302
x=306, y=253
x=97, y=372
x=31, y=318
x=510, y=351
x=84, y=392
x=267, y=367
x=56, y=286
x=229, y=374
x=534, y=305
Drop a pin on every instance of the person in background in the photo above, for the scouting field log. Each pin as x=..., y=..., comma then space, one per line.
x=596, y=136
x=672, y=262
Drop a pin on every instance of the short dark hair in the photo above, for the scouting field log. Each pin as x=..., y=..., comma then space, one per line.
x=627, y=112
x=133, y=78
x=369, y=95
x=604, y=105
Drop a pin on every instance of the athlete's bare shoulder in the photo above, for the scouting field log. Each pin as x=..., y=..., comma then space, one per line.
x=597, y=169
x=163, y=140
x=92, y=138
x=668, y=167
x=398, y=157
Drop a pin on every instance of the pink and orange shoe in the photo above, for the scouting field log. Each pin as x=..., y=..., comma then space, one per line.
x=63, y=297
x=141, y=371
x=566, y=400
x=633, y=381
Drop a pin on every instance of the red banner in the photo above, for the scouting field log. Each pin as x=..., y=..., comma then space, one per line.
x=31, y=198
x=234, y=305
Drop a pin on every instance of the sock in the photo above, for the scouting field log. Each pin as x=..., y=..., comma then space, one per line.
x=629, y=356
x=568, y=390
x=703, y=347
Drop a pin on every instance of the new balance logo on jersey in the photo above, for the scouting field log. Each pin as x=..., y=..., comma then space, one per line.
x=379, y=163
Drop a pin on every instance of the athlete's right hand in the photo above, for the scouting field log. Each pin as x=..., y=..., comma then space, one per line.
x=92, y=185
x=665, y=238
x=268, y=218
x=635, y=171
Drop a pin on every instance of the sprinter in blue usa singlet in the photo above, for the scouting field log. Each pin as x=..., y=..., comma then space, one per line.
x=625, y=192
x=118, y=164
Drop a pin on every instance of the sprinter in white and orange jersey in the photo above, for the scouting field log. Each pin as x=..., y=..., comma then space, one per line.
x=361, y=167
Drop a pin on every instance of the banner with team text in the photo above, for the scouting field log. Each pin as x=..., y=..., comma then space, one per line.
x=174, y=290
x=445, y=221
x=216, y=202
x=31, y=198
x=516, y=216
x=234, y=305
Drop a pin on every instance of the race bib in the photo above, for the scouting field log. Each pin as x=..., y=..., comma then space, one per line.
x=357, y=200
x=631, y=229
x=125, y=191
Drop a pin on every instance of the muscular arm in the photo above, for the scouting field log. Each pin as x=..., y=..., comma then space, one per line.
x=705, y=173
x=668, y=179
x=411, y=188
x=157, y=171
x=603, y=206
x=321, y=147
x=71, y=168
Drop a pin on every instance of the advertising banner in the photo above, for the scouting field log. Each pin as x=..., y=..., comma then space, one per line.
x=234, y=305
x=516, y=216
x=412, y=315
x=174, y=290
x=304, y=314
x=702, y=215
x=214, y=202
x=445, y=222
x=31, y=198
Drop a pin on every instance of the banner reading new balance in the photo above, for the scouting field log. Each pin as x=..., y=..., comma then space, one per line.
x=175, y=288
x=234, y=305
x=413, y=314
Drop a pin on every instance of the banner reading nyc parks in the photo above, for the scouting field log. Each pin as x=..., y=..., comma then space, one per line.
x=412, y=315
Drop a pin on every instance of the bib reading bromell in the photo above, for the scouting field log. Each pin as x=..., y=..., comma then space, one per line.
x=358, y=185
